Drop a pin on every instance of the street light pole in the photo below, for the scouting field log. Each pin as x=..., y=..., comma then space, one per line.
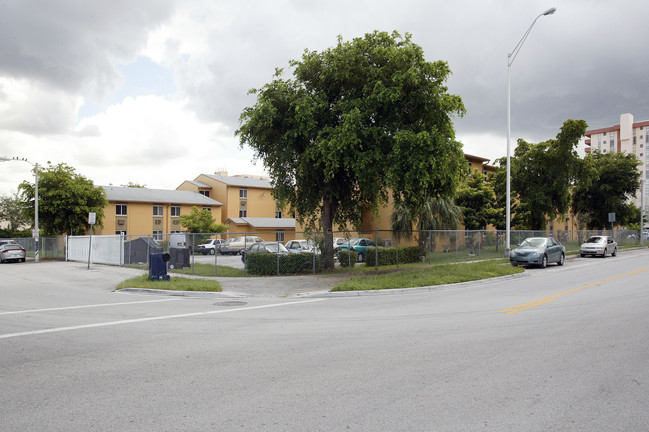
x=36, y=232
x=510, y=60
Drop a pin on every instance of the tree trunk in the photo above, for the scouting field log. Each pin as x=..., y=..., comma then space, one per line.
x=328, y=211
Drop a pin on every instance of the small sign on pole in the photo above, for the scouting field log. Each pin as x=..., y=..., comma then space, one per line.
x=92, y=218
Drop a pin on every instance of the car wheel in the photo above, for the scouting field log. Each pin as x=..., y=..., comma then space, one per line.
x=614, y=252
x=582, y=255
x=604, y=253
x=544, y=261
x=361, y=257
x=513, y=264
x=562, y=259
x=212, y=251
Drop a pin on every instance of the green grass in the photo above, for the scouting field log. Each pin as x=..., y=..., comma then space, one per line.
x=208, y=270
x=436, y=275
x=174, y=284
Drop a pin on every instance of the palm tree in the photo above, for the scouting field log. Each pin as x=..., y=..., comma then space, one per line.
x=438, y=214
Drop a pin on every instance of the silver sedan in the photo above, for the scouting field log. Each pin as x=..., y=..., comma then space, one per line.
x=599, y=246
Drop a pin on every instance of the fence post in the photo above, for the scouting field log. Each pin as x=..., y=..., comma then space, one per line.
x=457, y=252
x=429, y=251
x=315, y=245
x=376, y=249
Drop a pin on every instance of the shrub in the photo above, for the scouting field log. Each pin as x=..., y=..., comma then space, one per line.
x=393, y=255
x=265, y=264
x=345, y=257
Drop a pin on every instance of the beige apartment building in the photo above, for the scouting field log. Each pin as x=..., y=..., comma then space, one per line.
x=248, y=204
x=628, y=137
x=151, y=212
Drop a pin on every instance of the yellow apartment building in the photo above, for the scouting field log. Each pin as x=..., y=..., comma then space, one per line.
x=248, y=204
x=151, y=212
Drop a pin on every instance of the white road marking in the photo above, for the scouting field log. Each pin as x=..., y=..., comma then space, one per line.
x=138, y=320
x=83, y=306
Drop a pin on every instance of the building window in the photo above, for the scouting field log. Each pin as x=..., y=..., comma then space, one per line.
x=175, y=211
x=243, y=193
x=209, y=209
x=243, y=213
x=279, y=236
x=278, y=214
x=157, y=210
x=120, y=209
x=204, y=192
x=122, y=233
x=157, y=235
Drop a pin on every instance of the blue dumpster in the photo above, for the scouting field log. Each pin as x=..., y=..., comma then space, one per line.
x=158, y=266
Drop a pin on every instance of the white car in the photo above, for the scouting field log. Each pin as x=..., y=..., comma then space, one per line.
x=235, y=245
x=301, y=246
x=599, y=246
x=210, y=247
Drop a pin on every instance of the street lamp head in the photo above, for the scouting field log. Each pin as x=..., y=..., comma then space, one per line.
x=549, y=11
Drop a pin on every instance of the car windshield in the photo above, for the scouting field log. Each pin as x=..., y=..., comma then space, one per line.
x=272, y=247
x=12, y=246
x=354, y=241
x=534, y=242
x=596, y=240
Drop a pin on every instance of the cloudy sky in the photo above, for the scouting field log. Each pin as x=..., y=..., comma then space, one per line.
x=150, y=91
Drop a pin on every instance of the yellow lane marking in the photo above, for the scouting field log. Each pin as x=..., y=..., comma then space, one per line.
x=545, y=300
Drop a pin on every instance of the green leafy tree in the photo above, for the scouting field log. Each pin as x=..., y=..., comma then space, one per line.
x=543, y=173
x=606, y=182
x=360, y=121
x=477, y=199
x=65, y=199
x=201, y=221
x=12, y=211
x=133, y=185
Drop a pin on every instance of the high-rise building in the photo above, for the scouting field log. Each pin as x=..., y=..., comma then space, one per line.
x=627, y=137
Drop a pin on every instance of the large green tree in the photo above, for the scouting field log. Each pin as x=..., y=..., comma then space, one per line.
x=477, y=199
x=606, y=183
x=437, y=214
x=360, y=121
x=65, y=198
x=542, y=174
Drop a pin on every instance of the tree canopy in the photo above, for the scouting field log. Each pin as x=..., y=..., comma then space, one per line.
x=65, y=199
x=201, y=221
x=360, y=121
x=606, y=182
x=12, y=210
x=542, y=174
x=477, y=200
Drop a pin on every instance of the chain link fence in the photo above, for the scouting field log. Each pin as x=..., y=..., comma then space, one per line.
x=303, y=252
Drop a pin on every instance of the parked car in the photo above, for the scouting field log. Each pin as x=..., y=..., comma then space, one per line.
x=236, y=245
x=337, y=242
x=599, y=245
x=12, y=252
x=358, y=245
x=538, y=251
x=210, y=247
x=268, y=247
x=302, y=246
x=7, y=241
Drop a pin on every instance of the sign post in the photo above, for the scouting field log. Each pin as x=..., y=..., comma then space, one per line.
x=92, y=218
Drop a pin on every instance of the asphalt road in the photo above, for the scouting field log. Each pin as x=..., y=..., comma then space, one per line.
x=560, y=349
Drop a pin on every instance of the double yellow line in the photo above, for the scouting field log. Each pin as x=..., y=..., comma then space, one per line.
x=551, y=298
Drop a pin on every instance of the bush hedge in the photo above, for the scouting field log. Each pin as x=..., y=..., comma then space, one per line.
x=345, y=259
x=265, y=264
x=393, y=255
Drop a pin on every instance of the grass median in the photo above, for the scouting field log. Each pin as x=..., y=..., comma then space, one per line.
x=173, y=284
x=429, y=276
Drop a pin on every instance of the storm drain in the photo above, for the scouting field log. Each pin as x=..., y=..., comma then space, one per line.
x=231, y=303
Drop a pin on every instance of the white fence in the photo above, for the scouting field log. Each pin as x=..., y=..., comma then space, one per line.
x=105, y=249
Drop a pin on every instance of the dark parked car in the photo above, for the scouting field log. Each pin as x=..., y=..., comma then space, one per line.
x=12, y=252
x=538, y=251
x=267, y=247
x=358, y=245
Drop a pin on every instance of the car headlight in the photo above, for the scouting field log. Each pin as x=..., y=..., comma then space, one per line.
x=535, y=254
